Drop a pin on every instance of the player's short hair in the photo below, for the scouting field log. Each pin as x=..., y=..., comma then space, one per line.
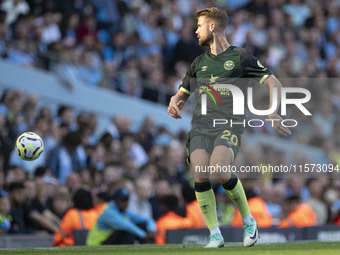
x=216, y=14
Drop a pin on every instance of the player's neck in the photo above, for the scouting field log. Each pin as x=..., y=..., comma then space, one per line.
x=219, y=45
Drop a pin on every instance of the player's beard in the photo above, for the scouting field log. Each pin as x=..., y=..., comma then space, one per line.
x=207, y=41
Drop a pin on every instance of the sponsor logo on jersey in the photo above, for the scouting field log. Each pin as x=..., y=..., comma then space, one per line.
x=229, y=65
x=204, y=68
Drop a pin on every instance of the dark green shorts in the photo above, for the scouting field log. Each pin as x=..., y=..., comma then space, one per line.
x=227, y=137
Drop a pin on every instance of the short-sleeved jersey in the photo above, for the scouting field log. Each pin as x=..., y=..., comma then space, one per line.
x=235, y=66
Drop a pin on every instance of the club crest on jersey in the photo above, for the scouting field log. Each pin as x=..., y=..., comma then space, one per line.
x=229, y=65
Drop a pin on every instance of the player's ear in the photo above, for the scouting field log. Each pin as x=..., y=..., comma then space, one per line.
x=212, y=27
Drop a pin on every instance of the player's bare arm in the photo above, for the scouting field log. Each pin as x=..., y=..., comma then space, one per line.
x=273, y=82
x=176, y=104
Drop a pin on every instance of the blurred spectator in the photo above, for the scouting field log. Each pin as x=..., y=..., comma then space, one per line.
x=50, y=30
x=193, y=212
x=324, y=119
x=50, y=183
x=112, y=176
x=15, y=174
x=13, y=9
x=297, y=11
x=139, y=201
x=130, y=168
x=161, y=190
x=150, y=34
x=273, y=195
x=69, y=30
x=20, y=55
x=131, y=149
x=73, y=181
x=26, y=118
x=40, y=204
x=68, y=156
x=25, y=218
x=2, y=184
x=5, y=218
x=14, y=108
x=297, y=214
x=60, y=201
x=31, y=190
x=170, y=219
x=175, y=163
x=88, y=28
x=120, y=125
x=107, y=14
x=295, y=187
x=19, y=211
x=118, y=50
x=81, y=217
x=258, y=7
x=239, y=28
x=316, y=189
x=128, y=227
x=5, y=143
x=110, y=147
x=89, y=72
x=186, y=48
x=65, y=115
x=101, y=201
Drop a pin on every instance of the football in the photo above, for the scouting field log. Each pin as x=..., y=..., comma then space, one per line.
x=29, y=146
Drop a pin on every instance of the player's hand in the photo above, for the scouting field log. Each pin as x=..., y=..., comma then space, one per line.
x=277, y=120
x=174, y=108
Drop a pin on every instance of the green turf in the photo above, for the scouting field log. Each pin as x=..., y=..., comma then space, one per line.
x=308, y=248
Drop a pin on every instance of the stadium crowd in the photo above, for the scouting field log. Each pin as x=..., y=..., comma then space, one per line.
x=150, y=164
x=143, y=48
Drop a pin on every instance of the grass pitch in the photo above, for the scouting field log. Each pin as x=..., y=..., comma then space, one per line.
x=297, y=248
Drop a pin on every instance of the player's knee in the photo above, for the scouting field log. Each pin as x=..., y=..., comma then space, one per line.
x=231, y=183
x=220, y=170
x=199, y=158
x=195, y=161
x=223, y=177
x=201, y=179
x=220, y=163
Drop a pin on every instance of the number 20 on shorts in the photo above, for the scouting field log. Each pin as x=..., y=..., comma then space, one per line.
x=230, y=137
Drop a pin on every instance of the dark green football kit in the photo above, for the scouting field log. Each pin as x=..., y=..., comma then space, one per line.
x=235, y=66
